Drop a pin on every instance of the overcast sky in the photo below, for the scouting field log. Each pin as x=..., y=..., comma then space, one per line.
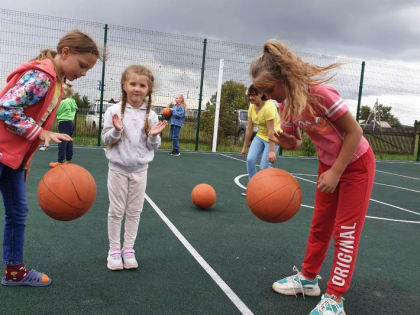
x=367, y=29
x=385, y=33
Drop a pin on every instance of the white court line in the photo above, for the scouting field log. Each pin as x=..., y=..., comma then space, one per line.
x=377, y=218
x=237, y=182
x=376, y=183
x=415, y=178
x=394, y=220
x=231, y=157
x=397, y=162
x=398, y=187
x=396, y=207
x=388, y=204
x=219, y=281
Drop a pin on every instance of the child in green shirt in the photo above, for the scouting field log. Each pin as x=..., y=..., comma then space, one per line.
x=65, y=117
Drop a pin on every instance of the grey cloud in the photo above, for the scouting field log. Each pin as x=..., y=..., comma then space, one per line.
x=358, y=28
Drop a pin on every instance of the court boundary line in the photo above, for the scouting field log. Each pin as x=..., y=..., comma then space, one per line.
x=415, y=178
x=240, y=305
x=236, y=180
x=381, y=202
x=379, y=218
x=315, y=158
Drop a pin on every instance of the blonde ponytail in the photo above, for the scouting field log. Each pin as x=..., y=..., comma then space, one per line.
x=278, y=64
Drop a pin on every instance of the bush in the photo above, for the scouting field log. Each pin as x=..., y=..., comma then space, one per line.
x=307, y=148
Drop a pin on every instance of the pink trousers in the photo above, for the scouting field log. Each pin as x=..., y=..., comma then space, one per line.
x=126, y=196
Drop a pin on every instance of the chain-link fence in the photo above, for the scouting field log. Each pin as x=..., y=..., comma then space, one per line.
x=190, y=66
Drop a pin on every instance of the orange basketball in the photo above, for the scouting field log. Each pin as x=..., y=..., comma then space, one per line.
x=66, y=192
x=166, y=112
x=273, y=195
x=203, y=196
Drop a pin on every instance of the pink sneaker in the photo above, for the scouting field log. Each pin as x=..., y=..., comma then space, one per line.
x=129, y=258
x=114, y=260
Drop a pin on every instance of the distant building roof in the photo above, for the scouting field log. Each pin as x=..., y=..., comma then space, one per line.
x=382, y=124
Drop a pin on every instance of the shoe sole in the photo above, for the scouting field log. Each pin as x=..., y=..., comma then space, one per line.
x=115, y=268
x=131, y=267
x=314, y=292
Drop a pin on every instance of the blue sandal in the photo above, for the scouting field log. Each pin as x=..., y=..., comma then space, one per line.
x=33, y=279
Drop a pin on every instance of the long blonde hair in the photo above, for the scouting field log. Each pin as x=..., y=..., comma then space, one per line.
x=278, y=64
x=139, y=70
x=181, y=96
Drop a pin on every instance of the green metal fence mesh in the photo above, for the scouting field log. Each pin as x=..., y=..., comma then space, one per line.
x=176, y=62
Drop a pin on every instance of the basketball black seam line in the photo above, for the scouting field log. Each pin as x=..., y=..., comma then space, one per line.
x=71, y=180
x=45, y=184
x=274, y=193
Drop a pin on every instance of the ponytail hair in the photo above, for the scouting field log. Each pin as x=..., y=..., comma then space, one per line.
x=278, y=64
x=139, y=70
x=78, y=43
x=146, y=123
x=44, y=54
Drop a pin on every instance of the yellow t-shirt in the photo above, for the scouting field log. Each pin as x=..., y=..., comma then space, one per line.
x=267, y=112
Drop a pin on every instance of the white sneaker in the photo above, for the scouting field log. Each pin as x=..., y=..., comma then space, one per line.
x=114, y=260
x=329, y=306
x=129, y=258
x=296, y=284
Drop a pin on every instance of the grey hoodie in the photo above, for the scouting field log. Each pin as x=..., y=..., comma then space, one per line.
x=129, y=150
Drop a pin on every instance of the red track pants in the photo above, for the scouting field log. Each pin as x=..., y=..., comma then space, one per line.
x=342, y=213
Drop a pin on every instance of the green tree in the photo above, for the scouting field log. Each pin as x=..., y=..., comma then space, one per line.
x=82, y=102
x=364, y=112
x=384, y=112
x=233, y=97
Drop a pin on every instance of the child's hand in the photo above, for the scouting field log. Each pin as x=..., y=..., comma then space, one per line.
x=284, y=140
x=117, y=122
x=48, y=136
x=271, y=157
x=158, y=128
x=327, y=181
x=243, y=152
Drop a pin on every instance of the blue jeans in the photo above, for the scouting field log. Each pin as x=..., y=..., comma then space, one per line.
x=65, y=148
x=174, y=133
x=13, y=189
x=258, y=147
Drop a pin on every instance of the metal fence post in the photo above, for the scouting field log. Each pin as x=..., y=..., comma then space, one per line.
x=101, y=104
x=362, y=74
x=418, y=141
x=197, y=134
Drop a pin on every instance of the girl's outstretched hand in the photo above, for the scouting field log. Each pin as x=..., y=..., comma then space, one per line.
x=284, y=140
x=158, y=128
x=117, y=122
x=327, y=181
x=48, y=136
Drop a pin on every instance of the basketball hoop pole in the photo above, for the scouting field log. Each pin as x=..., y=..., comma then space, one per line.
x=217, y=111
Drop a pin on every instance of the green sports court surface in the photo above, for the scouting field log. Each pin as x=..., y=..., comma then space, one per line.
x=220, y=261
